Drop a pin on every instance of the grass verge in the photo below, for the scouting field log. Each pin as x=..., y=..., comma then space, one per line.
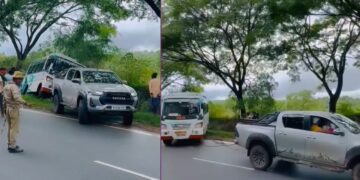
x=141, y=118
x=220, y=135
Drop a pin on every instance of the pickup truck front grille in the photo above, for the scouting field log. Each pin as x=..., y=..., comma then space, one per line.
x=116, y=98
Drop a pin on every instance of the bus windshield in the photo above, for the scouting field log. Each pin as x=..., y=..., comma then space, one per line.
x=181, y=110
x=55, y=65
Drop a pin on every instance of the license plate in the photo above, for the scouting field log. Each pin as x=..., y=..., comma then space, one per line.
x=118, y=108
x=180, y=133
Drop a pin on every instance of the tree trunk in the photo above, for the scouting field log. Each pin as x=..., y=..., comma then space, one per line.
x=332, y=103
x=241, y=104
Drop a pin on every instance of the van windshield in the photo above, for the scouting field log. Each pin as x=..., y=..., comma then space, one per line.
x=181, y=110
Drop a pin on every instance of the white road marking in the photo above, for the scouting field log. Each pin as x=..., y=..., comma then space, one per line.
x=224, y=164
x=73, y=119
x=133, y=130
x=126, y=170
x=49, y=114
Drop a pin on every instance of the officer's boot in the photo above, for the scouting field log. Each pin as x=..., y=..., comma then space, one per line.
x=16, y=149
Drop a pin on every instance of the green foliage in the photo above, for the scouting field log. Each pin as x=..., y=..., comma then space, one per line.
x=193, y=75
x=222, y=110
x=228, y=38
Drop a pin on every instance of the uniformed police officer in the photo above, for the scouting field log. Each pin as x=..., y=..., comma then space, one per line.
x=13, y=102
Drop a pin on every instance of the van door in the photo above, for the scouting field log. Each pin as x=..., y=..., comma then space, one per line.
x=290, y=136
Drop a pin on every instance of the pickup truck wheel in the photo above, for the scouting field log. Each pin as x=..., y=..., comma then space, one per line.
x=58, y=108
x=128, y=119
x=167, y=142
x=83, y=113
x=260, y=157
x=356, y=172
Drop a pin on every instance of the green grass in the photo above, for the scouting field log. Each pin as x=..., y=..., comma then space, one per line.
x=220, y=135
x=38, y=103
x=147, y=118
x=143, y=118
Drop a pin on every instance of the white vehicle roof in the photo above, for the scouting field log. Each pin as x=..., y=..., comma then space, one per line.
x=90, y=69
x=184, y=95
x=314, y=113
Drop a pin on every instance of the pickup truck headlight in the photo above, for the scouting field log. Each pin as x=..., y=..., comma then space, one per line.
x=133, y=93
x=96, y=93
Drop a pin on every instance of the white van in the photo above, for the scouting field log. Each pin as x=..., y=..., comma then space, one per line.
x=39, y=76
x=184, y=116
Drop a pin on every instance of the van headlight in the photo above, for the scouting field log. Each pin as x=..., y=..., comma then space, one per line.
x=199, y=125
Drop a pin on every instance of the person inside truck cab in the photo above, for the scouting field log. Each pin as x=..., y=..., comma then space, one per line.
x=321, y=125
x=315, y=127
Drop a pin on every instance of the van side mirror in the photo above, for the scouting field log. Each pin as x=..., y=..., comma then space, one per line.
x=76, y=80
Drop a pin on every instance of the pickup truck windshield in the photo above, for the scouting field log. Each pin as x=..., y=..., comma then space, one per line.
x=100, y=77
x=181, y=110
x=348, y=123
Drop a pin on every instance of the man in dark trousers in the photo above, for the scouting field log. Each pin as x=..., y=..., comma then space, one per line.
x=154, y=89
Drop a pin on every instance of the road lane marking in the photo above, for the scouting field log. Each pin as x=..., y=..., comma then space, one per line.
x=224, y=164
x=49, y=114
x=126, y=170
x=133, y=130
x=73, y=119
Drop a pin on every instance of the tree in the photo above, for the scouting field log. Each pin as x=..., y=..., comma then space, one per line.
x=189, y=76
x=226, y=37
x=258, y=94
x=323, y=48
x=89, y=42
x=37, y=16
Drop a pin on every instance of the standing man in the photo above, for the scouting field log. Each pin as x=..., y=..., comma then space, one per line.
x=154, y=89
x=13, y=102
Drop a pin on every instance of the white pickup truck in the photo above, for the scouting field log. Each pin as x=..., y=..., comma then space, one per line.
x=318, y=139
x=93, y=91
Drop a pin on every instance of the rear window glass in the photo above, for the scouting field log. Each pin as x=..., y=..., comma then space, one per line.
x=294, y=122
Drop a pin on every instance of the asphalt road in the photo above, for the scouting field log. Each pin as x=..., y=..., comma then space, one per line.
x=58, y=148
x=218, y=161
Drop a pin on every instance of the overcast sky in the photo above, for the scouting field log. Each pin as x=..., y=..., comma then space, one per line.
x=132, y=35
x=308, y=82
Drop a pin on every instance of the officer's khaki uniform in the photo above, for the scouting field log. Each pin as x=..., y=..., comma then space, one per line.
x=13, y=102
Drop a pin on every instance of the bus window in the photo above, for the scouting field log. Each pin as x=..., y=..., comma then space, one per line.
x=31, y=69
x=49, y=64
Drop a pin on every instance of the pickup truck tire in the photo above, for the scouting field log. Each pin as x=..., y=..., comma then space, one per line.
x=356, y=172
x=83, y=113
x=58, y=108
x=167, y=142
x=128, y=119
x=260, y=157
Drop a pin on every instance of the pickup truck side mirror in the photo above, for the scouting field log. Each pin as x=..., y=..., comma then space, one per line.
x=76, y=80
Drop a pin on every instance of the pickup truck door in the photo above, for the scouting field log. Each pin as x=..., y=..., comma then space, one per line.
x=66, y=89
x=290, y=136
x=326, y=148
x=74, y=90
